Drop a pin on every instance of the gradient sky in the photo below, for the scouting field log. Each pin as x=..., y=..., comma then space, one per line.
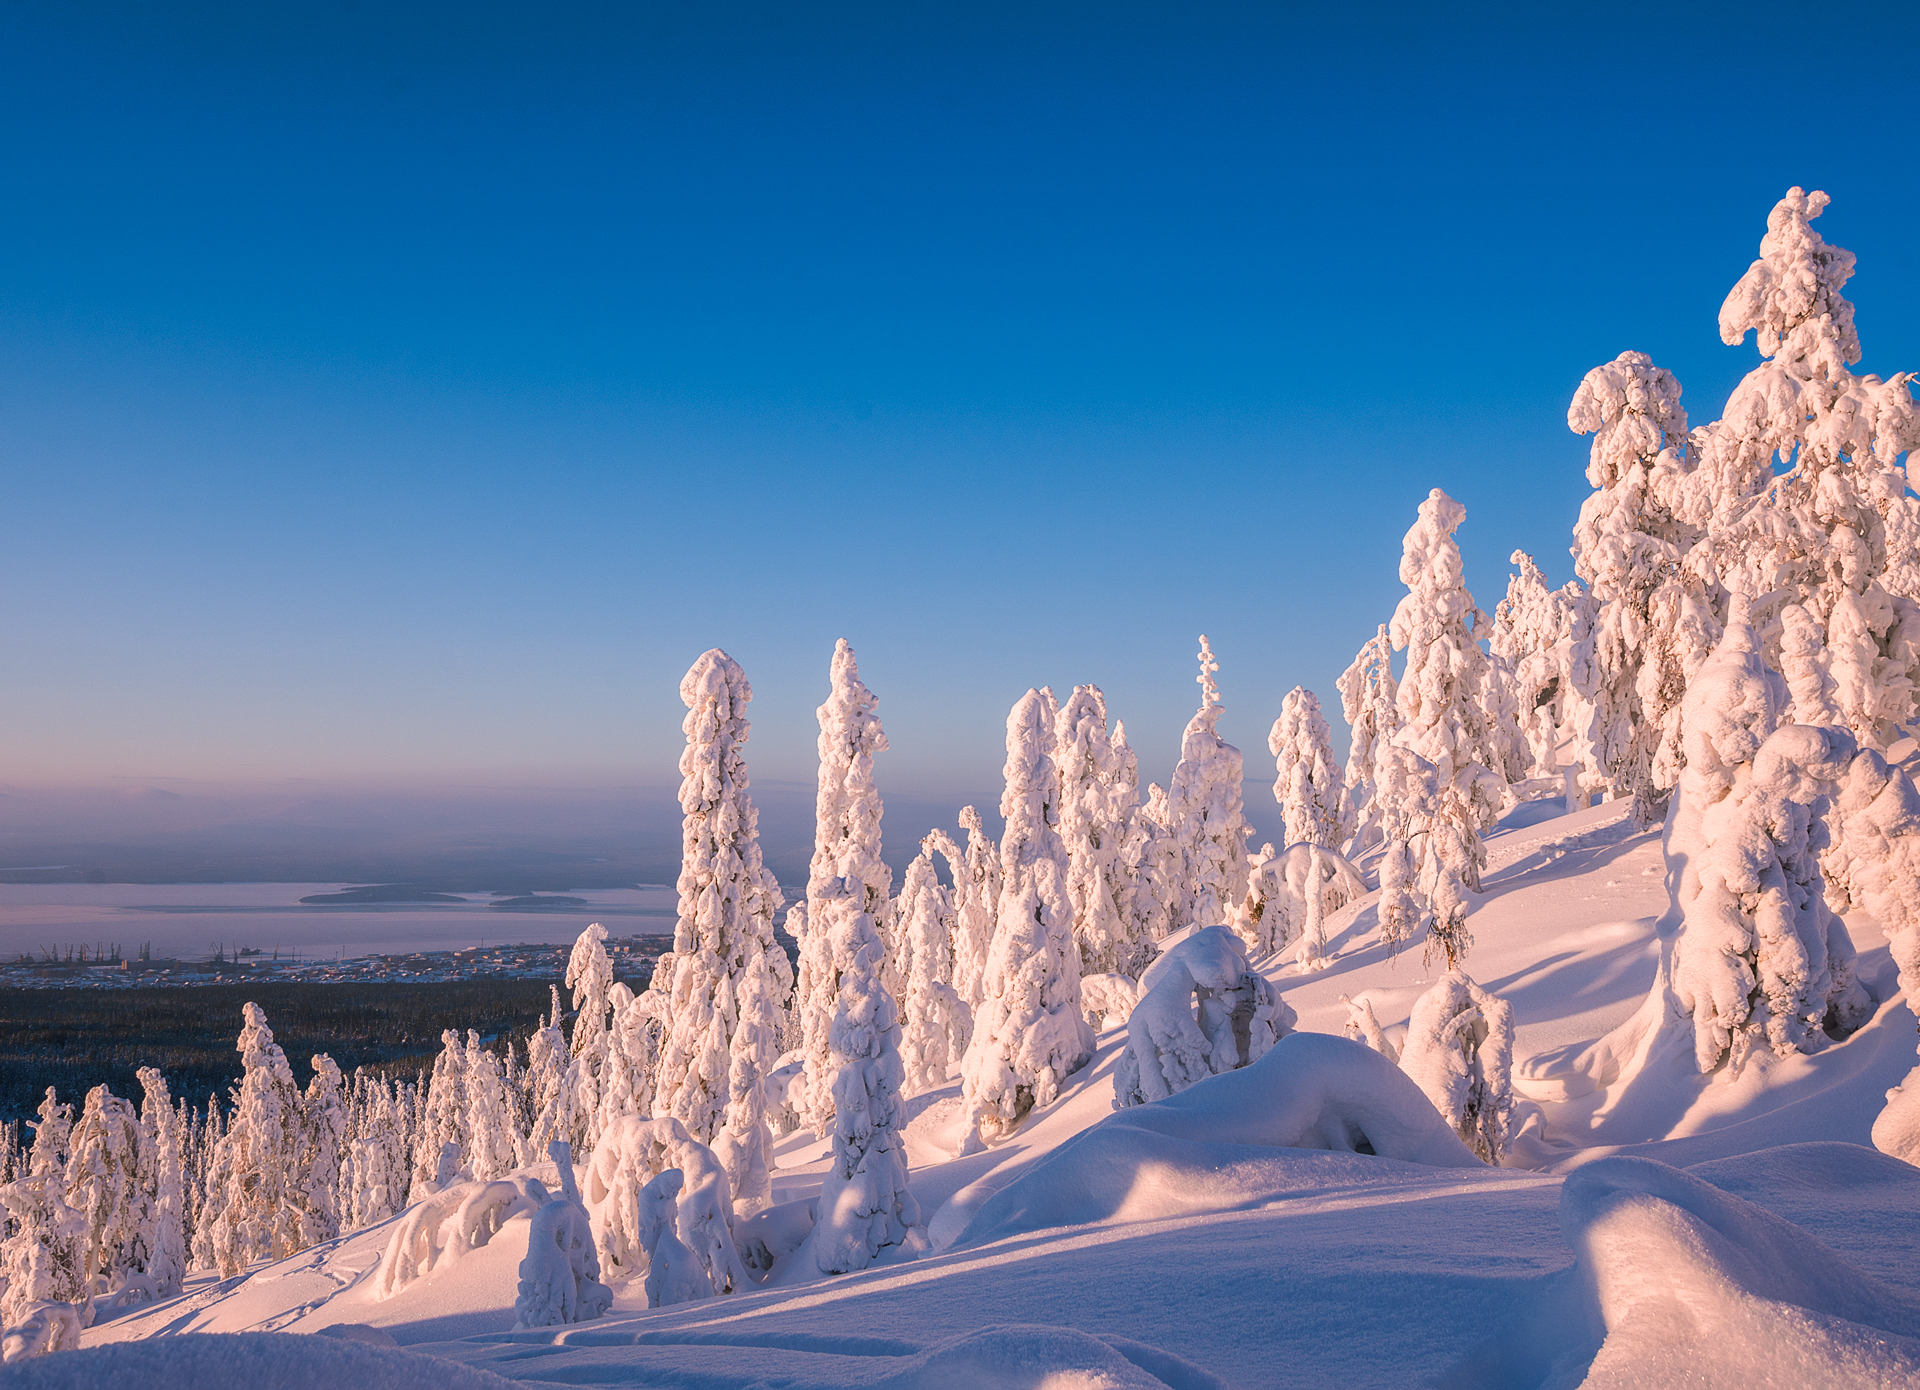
x=410, y=397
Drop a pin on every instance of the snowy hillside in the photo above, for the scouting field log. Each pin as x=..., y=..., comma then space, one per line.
x=1225, y=1260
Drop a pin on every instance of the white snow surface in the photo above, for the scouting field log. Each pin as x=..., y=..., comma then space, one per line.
x=1238, y=1234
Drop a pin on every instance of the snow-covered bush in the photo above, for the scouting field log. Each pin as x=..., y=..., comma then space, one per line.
x=1363, y=1027
x=1201, y=1012
x=45, y=1327
x=1459, y=1051
x=674, y=1272
x=1308, y=785
x=560, y=1277
x=634, y=1152
x=1280, y=885
x=1028, y=1033
x=1107, y=999
x=1206, y=815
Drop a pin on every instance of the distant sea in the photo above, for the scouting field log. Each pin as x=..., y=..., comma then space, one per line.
x=191, y=921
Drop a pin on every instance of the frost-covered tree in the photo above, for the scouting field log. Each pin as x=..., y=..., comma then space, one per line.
x=846, y=877
x=560, y=1276
x=377, y=1170
x=256, y=1211
x=103, y=1185
x=866, y=1213
x=938, y=1023
x=319, y=1145
x=1460, y=1052
x=44, y=1257
x=1153, y=864
x=1028, y=1033
x=590, y=977
x=1650, y=624
x=1760, y=961
x=1098, y=793
x=551, y=1079
x=741, y=1144
x=1369, y=699
x=976, y=898
x=443, y=1118
x=494, y=1137
x=727, y=897
x=163, y=1239
x=1309, y=782
x=1798, y=486
x=1207, y=820
x=1534, y=631
x=1444, y=700
x=1197, y=1002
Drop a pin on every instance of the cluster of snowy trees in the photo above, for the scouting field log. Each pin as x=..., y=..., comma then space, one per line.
x=1739, y=653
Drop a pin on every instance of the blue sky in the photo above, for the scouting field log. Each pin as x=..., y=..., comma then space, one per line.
x=408, y=398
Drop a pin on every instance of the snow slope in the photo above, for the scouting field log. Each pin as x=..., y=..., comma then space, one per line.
x=1230, y=1235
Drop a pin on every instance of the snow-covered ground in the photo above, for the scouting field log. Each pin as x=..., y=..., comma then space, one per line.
x=1180, y=1244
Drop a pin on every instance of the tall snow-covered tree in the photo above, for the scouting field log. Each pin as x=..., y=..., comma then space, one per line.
x=1444, y=700
x=1760, y=962
x=1651, y=624
x=1153, y=863
x=1369, y=699
x=103, y=1185
x=443, y=1118
x=256, y=1214
x=1097, y=797
x=164, y=1239
x=1207, y=814
x=590, y=977
x=1309, y=782
x=727, y=897
x=866, y=1212
x=741, y=1144
x=1534, y=631
x=1798, y=486
x=1029, y=1034
x=318, y=1145
x=937, y=1023
x=846, y=878
x=976, y=898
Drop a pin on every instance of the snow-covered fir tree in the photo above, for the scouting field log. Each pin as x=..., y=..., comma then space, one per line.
x=1460, y=1051
x=162, y=1174
x=443, y=1119
x=252, y=1187
x=590, y=977
x=937, y=1023
x=318, y=1148
x=742, y=1144
x=1650, y=623
x=1760, y=962
x=1534, y=632
x=976, y=898
x=1369, y=700
x=1444, y=700
x=103, y=1185
x=1309, y=783
x=1028, y=1034
x=846, y=878
x=1098, y=793
x=1207, y=821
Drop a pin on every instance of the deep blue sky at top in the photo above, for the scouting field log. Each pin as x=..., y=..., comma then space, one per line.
x=409, y=393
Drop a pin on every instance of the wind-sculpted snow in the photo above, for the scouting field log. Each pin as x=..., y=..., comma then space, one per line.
x=1199, y=1150
x=1678, y=1271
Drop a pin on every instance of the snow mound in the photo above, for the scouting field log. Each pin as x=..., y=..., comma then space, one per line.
x=1678, y=1271
x=1208, y=1148
x=257, y=1360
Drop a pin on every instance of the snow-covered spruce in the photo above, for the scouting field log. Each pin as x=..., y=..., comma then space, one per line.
x=1798, y=487
x=318, y=1150
x=1760, y=961
x=1201, y=1012
x=846, y=874
x=103, y=1186
x=1309, y=785
x=163, y=1260
x=1279, y=886
x=1098, y=793
x=1206, y=815
x=1448, y=699
x=1369, y=697
x=976, y=898
x=938, y=1023
x=1534, y=632
x=1028, y=1034
x=727, y=901
x=1459, y=1050
x=590, y=977
x=252, y=1175
x=866, y=1213
x=742, y=1142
